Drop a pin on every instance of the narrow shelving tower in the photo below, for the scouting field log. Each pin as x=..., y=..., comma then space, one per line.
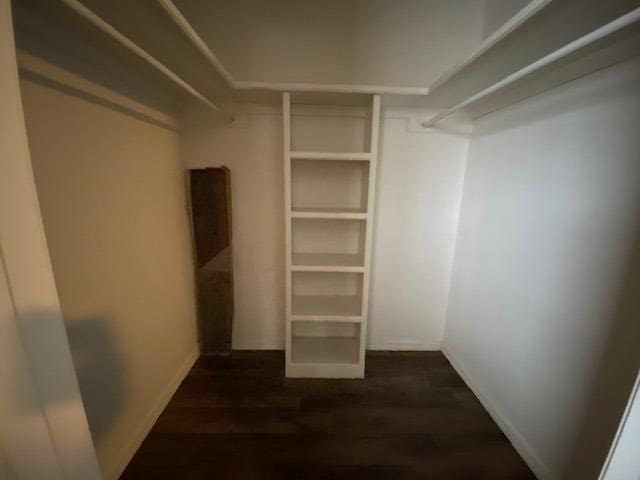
x=330, y=156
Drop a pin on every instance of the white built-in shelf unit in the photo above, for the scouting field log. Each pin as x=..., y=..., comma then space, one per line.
x=330, y=154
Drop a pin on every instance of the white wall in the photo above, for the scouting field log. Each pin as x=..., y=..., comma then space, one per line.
x=111, y=189
x=253, y=153
x=419, y=191
x=418, y=197
x=543, y=312
x=400, y=42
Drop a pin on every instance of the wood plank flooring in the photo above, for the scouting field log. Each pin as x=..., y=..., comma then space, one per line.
x=412, y=417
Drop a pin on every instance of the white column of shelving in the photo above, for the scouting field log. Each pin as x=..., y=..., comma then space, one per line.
x=327, y=357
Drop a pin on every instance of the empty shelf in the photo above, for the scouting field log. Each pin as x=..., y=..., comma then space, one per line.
x=360, y=156
x=318, y=262
x=326, y=306
x=339, y=213
x=323, y=350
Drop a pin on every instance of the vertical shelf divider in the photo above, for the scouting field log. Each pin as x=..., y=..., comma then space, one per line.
x=286, y=128
x=375, y=127
x=327, y=356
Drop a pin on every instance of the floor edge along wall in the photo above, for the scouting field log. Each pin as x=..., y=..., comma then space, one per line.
x=329, y=202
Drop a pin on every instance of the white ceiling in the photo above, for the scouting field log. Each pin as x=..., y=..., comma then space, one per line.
x=374, y=42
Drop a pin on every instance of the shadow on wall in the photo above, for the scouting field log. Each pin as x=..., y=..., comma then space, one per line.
x=75, y=92
x=617, y=369
x=100, y=369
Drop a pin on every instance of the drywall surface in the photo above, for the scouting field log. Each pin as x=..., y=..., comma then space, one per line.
x=253, y=153
x=419, y=192
x=418, y=199
x=543, y=313
x=374, y=42
x=111, y=190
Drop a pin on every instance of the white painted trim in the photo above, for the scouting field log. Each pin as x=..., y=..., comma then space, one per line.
x=619, y=456
x=326, y=268
x=98, y=22
x=197, y=41
x=608, y=29
x=531, y=458
x=531, y=9
x=326, y=318
x=361, y=156
x=369, y=226
x=330, y=88
x=136, y=438
x=288, y=250
x=335, y=215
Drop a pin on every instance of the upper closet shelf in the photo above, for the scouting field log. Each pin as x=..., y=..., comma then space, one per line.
x=92, y=29
x=551, y=51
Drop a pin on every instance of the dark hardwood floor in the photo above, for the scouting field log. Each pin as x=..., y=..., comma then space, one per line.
x=412, y=417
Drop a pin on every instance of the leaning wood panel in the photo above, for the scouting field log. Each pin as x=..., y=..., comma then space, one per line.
x=211, y=216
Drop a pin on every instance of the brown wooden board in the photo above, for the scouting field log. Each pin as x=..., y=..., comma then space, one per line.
x=210, y=191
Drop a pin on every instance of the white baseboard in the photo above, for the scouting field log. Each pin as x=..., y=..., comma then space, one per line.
x=129, y=449
x=536, y=465
x=405, y=346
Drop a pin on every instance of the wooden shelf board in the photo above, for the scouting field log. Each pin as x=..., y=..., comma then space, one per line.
x=326, y=305
x=331, y=156
x=325, y=350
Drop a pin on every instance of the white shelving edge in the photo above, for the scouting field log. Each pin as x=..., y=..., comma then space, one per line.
x=375, y=127
x=329, y=214
x=286, y=128
x=134, y=48
x=326, y=268
x=359, y=156
x=327, y=318
x=604, y=31
x=528, y=11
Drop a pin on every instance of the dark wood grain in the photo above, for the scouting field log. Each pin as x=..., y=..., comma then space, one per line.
x=211, y=216
x=412, y=417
